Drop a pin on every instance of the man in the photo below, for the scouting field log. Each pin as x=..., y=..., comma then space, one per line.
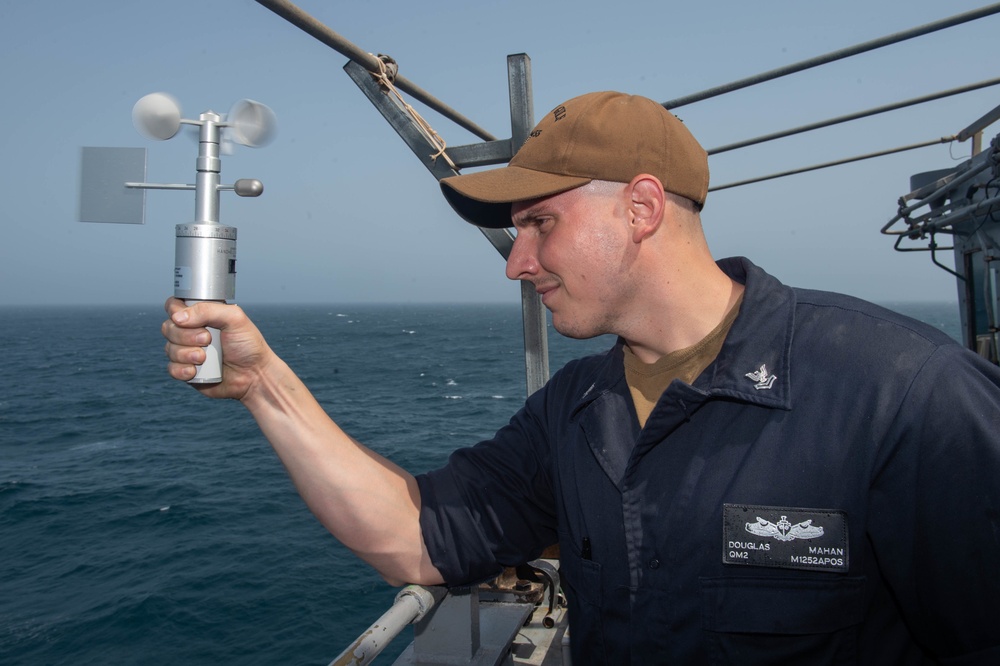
x=753, y=474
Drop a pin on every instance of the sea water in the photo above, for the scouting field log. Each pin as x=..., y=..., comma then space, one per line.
x=141, y=522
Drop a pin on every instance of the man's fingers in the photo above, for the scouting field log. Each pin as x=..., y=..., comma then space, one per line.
x=181, y=371
x=185, y=337
x=184, y=353
x=204, y=314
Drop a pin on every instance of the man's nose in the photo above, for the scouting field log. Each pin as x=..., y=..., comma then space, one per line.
x=522, y=262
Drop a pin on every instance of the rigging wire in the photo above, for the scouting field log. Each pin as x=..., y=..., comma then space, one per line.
x=855, y=116
x=824, y=165
x=833, y=56
x=321, y=32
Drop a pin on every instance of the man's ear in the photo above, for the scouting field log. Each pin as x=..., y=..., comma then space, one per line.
x=646, y=204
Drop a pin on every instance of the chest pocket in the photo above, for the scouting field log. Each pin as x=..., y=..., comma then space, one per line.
x=765, y=620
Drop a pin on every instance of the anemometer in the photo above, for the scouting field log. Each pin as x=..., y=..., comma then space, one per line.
x=112, y=190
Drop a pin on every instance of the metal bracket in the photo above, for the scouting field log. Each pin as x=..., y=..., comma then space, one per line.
x=487, y=152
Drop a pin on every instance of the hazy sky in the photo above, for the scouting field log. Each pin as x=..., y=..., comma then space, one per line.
x=348, y=213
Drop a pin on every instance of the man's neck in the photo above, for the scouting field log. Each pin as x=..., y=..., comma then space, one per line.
x=680, y=322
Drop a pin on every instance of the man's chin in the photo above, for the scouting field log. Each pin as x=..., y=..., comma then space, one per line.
x=571, y=329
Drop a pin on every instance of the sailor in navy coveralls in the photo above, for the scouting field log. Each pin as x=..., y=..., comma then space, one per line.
x=826, y=490
x=752, y=474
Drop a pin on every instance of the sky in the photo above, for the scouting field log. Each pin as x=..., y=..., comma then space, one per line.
x=349, y=214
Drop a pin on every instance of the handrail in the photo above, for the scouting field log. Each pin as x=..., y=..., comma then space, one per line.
x=412, y=603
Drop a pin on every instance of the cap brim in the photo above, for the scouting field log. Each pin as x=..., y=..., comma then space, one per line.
x=484, y=198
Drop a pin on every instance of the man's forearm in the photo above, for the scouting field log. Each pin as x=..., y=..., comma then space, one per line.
x=370, y=504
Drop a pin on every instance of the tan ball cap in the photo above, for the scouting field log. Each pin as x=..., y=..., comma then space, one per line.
x=597, y=136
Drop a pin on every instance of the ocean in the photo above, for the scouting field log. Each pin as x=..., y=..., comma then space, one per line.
x=142, y=522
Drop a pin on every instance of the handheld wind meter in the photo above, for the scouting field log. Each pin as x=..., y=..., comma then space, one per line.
x=112, y=190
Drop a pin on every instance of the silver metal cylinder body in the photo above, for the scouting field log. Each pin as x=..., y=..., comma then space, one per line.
x=209, y=167
x=205, y=262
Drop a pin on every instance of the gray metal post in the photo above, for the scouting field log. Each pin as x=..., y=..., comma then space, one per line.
x=522, y=120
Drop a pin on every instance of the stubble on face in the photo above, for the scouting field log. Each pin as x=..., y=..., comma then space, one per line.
x=586, y=255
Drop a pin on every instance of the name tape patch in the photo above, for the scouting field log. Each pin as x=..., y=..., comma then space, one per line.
x=785, y=537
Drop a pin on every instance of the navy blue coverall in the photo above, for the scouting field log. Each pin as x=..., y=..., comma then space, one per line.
x=827, y=491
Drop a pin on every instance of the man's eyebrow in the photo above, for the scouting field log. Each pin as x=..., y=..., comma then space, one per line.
x=531, y=214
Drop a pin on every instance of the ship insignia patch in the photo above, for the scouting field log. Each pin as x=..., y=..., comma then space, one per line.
x=784, y=530
x=763, y=378
x=785, y=537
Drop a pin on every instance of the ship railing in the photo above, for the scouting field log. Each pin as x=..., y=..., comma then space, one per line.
x=503, y=621
x=411, y=605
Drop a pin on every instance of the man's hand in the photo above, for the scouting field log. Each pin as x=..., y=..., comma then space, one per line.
x=245, y=354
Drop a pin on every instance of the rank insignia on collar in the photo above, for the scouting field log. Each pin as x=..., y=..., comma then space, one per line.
x=763, y=378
